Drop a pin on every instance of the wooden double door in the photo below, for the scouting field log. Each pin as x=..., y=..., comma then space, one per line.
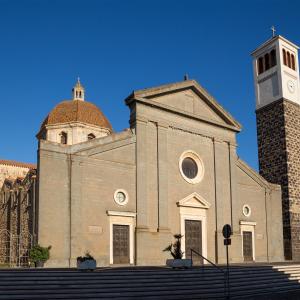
x=121, y=244
x=193, y=240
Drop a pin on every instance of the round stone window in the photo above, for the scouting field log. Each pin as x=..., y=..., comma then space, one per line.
x=121, y=197
x=191, y=167
x=246, y=210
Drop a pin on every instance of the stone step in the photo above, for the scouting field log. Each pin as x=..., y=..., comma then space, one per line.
x=143, y=288
x=205, y=279
x=137, y=269
x=153, y=287
x=135, y=274
x=286, y=266
x=269, y=294
x=179, y=295
x=147, y=283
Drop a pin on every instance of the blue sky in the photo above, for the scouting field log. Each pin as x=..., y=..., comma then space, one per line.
x=118, y=46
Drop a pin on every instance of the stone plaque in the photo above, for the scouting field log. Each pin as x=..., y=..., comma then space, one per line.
x=260, y=236
x=95, y=229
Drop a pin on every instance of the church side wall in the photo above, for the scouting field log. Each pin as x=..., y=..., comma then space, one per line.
x=54, y=202
x=252, y=194
x=96, y=179
x=76, y=197
x=265, y=218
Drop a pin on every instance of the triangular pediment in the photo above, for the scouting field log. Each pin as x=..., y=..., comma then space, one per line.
x=194, y=200
x=190, y=98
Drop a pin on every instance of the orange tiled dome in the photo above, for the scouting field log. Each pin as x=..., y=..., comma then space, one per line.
x=77, y=111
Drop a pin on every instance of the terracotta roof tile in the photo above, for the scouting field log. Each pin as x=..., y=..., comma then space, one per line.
x=77, y=110
x=17, y=164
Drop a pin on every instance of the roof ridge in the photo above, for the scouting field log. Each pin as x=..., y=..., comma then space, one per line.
x=17, y=164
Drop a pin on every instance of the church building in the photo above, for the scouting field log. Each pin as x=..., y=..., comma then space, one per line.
x=122, y=196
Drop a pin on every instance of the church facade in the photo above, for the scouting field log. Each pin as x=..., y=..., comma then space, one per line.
x=122, y=196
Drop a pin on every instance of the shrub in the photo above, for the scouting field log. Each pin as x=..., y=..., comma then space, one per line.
x=175, y=248
x=39, y=253
x=86, y=257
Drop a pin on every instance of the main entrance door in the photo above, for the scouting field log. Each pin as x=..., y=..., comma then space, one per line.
x=193, y=239
x=247, y=246
x=121, y=244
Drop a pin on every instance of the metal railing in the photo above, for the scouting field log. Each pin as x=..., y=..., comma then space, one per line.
x=225, y=273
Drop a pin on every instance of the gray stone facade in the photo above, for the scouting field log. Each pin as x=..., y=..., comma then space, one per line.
x=77, y=184
x=278, y=131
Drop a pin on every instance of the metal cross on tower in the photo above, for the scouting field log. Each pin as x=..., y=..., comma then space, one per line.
x=273, y=31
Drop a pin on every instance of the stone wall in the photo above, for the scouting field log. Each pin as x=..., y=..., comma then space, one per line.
x=13, y=170
x=278, y=132
x=17, y=211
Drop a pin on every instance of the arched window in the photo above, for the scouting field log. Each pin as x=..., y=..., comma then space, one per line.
x=260, y=65
x=91, y=136
x=288, y=59
x=284, y=56
x=63, y=138
x=273, y=57
x=267, y=61
x=293, y=62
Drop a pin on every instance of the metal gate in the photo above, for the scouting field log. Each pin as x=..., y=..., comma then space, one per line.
x=193, y=239
x=247, y=246
x=14, y=249
x=121, y=244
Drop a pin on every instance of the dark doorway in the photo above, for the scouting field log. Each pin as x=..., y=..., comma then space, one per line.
x=121, y=244
x=193, y=240
x=247, y=246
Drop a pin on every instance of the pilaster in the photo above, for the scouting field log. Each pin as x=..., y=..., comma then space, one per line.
x=162, y=164
x=141, y=175
x=75, y=211
x=222, y=195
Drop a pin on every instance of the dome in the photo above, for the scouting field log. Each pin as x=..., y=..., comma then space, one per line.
x=77, y=111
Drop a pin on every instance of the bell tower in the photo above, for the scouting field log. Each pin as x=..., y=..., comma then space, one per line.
x=276, y=79
x=78, y=91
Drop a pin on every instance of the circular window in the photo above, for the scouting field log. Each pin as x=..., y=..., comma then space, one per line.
x=191, y=167
x=121, y=197
x=246, y=210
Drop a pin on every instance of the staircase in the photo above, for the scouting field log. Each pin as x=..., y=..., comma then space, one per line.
x=246, y=282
